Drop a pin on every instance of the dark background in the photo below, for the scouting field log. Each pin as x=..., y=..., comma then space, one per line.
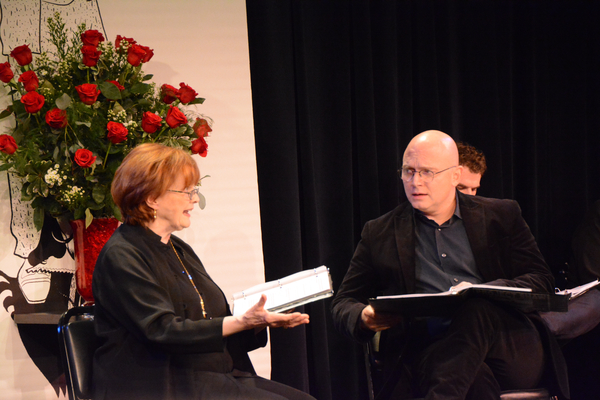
x=340, y=87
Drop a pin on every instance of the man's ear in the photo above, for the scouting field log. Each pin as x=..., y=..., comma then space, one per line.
x=456, y=174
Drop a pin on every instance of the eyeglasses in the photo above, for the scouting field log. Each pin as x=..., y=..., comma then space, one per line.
x=427, y=176
x=191, y=193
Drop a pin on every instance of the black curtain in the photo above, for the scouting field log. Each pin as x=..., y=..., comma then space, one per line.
x=340, y=87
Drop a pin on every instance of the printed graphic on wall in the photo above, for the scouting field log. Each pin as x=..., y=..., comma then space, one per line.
x=44, y=280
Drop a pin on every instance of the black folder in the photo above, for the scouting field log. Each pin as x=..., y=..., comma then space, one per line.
x=445, y=303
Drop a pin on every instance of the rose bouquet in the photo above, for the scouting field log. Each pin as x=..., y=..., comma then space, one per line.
x=78, y=111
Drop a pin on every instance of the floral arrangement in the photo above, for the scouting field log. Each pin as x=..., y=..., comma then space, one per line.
x=79, y=110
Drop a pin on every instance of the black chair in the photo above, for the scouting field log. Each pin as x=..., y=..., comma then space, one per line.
x=78, y=341
x=373, y=364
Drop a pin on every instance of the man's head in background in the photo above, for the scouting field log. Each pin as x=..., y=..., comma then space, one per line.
x=474, y=165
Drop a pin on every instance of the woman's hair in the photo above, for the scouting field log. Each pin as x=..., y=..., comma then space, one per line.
x=147, y=172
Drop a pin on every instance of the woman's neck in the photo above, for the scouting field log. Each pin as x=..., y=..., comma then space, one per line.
x=162, y=231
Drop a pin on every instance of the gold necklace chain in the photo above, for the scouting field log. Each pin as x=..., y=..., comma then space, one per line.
x=191, y=280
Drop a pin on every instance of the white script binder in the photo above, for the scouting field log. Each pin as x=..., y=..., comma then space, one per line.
x=286, y=293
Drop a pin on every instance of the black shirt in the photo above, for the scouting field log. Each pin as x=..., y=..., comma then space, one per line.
x=443, y=254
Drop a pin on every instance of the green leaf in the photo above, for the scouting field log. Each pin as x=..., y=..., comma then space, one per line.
x=110, y=91
x=88, y=217
x=98, y=194
x=78, y=214
x=197, y=100
x=38, y=218
x=147, y=77
x=116, y=212
x=63, y=102
x=140, y=88
x=6, y=113
x=117, y=108
x=145, y=102
x=201, y=201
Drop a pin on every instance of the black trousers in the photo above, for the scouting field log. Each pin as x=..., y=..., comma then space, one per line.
x=487, y=348
x=234, y=386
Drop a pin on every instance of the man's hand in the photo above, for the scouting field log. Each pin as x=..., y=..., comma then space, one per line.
x=462, y=285
x=378, y=322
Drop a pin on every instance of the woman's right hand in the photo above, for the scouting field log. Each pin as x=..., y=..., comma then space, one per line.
x=257, y=317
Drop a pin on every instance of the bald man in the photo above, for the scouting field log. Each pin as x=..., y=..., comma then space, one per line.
x=436, y=240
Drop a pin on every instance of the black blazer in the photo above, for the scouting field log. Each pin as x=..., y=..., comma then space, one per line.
x=156, y=345
x=504, y=249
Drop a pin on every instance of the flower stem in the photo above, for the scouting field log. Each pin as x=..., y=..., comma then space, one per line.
x=106, y=156
x=159, y=133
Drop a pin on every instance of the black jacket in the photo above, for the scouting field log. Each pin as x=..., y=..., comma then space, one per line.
x=504, y=249
x=156, y=343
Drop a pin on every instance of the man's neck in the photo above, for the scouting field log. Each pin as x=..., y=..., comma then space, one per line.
x=443, y=215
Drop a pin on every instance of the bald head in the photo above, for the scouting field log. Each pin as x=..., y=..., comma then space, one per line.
x=435, y=142
x=431, y=173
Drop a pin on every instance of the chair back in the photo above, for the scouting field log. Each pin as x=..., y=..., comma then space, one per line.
x=78, y=342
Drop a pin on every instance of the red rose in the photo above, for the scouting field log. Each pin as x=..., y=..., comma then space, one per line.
x=56, y=118
x=151, y=122
x=149, y=53
x=22, y=54
x=135, y=54
x=117, y=84
x=84, y=158
x=121, y=38
x=201, y=127
x=199, y=146
x=92, y=37
x=8, y=144
x=117, y=132
x=175, y=117
x=33, y=102
x=91, y=55
x=88, y=93
x=168, y=93
x=6, y=73
x=186, y=93
x=29, y=80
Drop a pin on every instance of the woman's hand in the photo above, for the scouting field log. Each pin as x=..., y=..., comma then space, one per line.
x=258, y=318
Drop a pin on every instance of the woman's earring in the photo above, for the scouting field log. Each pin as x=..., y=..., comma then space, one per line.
x=154, y=214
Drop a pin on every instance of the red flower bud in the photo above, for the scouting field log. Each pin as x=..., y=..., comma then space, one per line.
x=175, y=117
x=201, y=127
x=117, y=132
x=91, y=55
x=117, y=84
x=8, y=144
x=135, y=55
x=6, y=73
x=121, y=38
x=88, y=93
x=33, y=102
x=56, y=118
x=199, y=146
x=186, y=93
x=168, y=93
x=84, y=158
x=92, y=37
x=22, y=54
x=29, y=80
x=151, y=122
x=149, y=53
